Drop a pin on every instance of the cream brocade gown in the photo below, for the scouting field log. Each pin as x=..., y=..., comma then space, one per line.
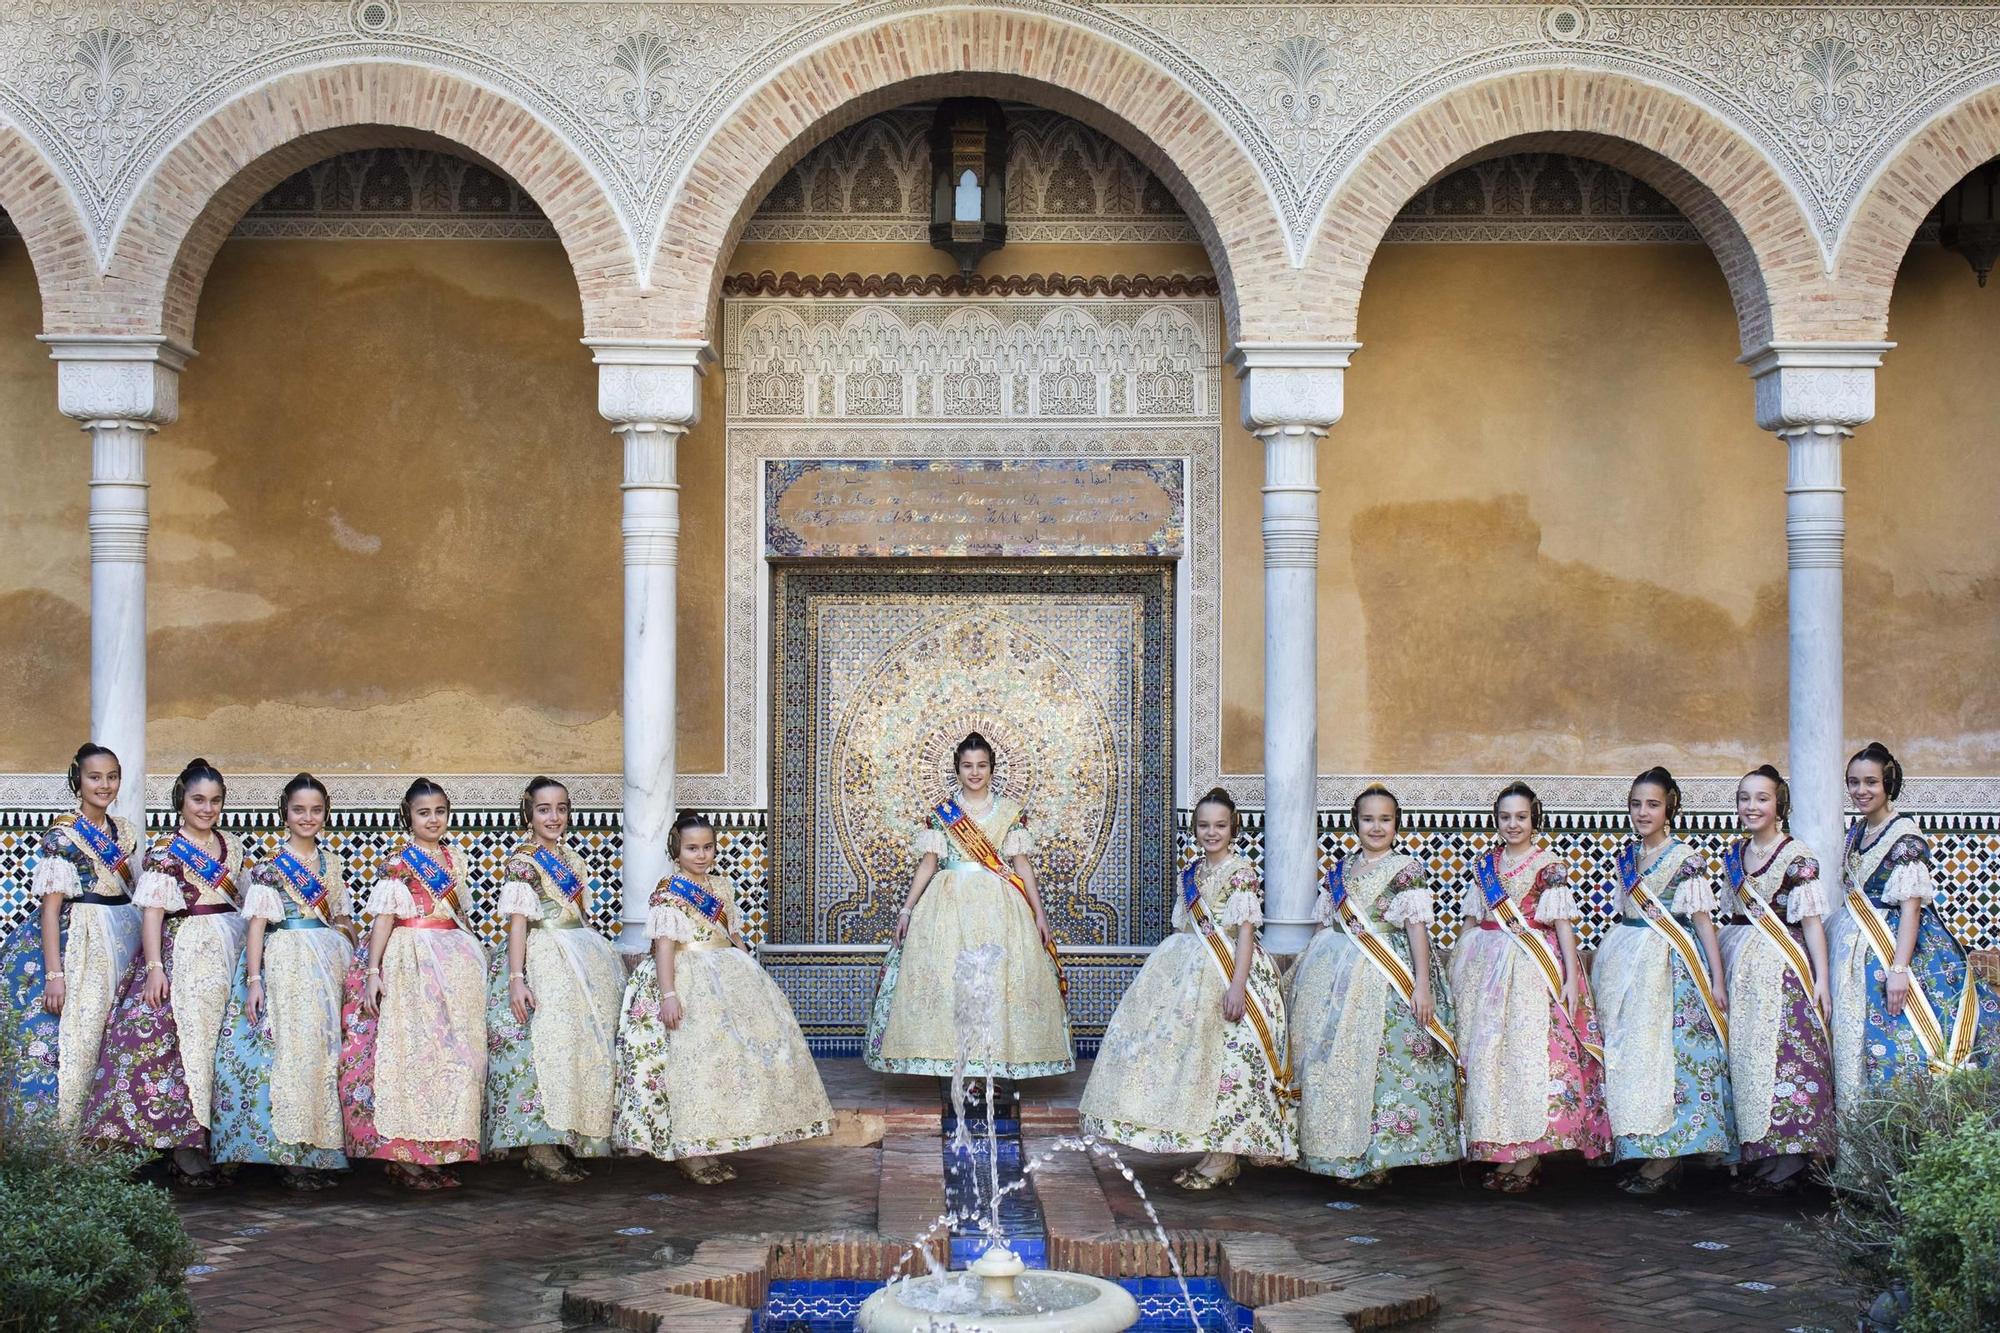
x=1174, y=1075
x=966, y=906
x=430, y=1035
x=551, y=1079
x=736, y=1073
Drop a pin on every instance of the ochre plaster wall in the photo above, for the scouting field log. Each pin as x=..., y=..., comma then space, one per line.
x=1554, y=538
x=386, y=528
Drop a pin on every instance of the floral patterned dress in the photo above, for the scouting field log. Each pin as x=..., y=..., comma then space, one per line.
x=1376, y=1091
x=1891, y=869
x=1530, y=1086
x=412, y=1077
x=1666, y=1074
x=277, y=1080
x=966, y=906
x=100, y=934
x=1174, y=1075
x=550, y=1080
x=736, y=1073
x=155, y=1076
x=1780, y=1065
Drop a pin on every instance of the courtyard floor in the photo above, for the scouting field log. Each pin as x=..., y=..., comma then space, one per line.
x=498, y=1253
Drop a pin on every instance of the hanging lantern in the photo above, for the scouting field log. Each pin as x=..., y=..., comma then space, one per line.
x=1969, y=218
x=969, y=179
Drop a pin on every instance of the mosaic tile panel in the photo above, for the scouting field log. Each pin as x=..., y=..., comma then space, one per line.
x=880, y=672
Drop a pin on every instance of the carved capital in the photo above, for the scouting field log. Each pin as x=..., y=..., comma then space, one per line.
x=1815, y=388
x=655, y=381
x=1292, y=386
x=118, y=377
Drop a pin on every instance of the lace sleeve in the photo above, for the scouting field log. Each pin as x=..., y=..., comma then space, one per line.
x=519, y=899
x=1909, y=882
x=158, y=889
x=261, y=902
x=1557, y=901
x=1018, y=842
x=1410, y=908
x=667, y=920
x=928, y=842
x=393, y=897
x=1694, y=891
x=54, y=875
x=1323, y=906
x=1807, y=892
x=1244, y=903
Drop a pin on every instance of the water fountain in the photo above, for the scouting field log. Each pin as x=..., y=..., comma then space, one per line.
x=996, y=1293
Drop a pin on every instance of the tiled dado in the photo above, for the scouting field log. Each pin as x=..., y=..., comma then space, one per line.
x=831, y=985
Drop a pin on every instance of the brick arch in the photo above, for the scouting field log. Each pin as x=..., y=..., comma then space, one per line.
x=1724, y=184
x=39, y=204
x=977, y=52
x=193, y=196
x=1915, y=175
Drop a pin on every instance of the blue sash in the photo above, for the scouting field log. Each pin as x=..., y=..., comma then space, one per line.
x=701, y=900
x=1487, y=871
x=434, y=876
x=211, y=872
x=1336, y=881
x=556, y=869
x=306, y=887
x=1190, y=890
x=101, y=844
x=1732, y=865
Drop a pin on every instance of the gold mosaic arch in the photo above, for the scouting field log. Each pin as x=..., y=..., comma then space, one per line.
x=975, y=669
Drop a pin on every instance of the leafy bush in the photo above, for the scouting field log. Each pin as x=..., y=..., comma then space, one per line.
x=1949, y=1248
x=1902, y=1190
x=83, y=1246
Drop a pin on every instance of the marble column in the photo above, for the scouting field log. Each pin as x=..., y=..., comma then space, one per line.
x=122, y=388
x=1291, y=394
x=1812, y=396
x=650, y=392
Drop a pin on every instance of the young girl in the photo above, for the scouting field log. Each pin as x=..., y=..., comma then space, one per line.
x=59, y=971
x=413, y=1060
x=1774, y=955
x=973, y=887
x=1534, y=1072
x=1378, y=1073
x=1196, y=1058
x=1905, y=1004
x=551, y=1002
x=1663, y=999
x=710, y=1058
x=277, y=1086
x=156, y=1070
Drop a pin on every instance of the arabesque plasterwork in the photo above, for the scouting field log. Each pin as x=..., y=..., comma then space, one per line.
x=1826, y=91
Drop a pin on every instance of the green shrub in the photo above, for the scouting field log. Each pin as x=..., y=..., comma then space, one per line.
x=83, y=1246
x=1949, y=1248
x=1890, y=1170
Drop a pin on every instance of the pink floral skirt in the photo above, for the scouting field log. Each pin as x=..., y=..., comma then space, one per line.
x=357, y=1090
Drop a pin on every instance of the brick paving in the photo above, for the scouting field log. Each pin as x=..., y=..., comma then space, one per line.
x=498, y=1253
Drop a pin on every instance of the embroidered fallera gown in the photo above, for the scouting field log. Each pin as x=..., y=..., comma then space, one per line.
x=1891, y=867
x=57, y=1054
x=155, y=1078
x=1376, y=1091
x=1780, y=1066
x=413, y=1077
x=549, y=1080
x=736, y=1074
x=1530, y=1086
x=1174, y=1075
x=912, y=1027
x=1666, y=1074
x=277, y=1086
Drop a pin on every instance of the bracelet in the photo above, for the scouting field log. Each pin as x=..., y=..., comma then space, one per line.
x=54, y=976
x=670, y=995
x=154, y=967
x=374, y=971
x=517, y=976
x=1899, y=969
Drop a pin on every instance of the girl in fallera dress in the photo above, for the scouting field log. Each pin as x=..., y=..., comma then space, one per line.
x=1196, y=1058
x=155, y=1079
x=1371, y=1017
x=973, y=887
x=277, y=1086
x=413, y=1057
x=1527, y=1026
x=1663, y=999
x=710, y=1058
x=60, y=969
x=551, y=1002
x=1906, y=1005
x=1774, y=955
